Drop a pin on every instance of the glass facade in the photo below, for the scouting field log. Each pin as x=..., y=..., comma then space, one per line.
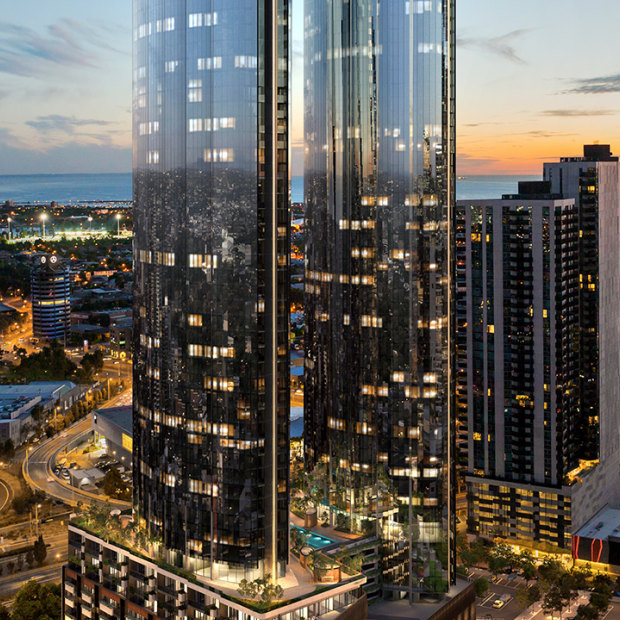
x=211, y=270
x=379, y=179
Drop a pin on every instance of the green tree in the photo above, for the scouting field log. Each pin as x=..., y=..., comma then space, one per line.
x=481, y=585
x=35, y=601
x=39, y=550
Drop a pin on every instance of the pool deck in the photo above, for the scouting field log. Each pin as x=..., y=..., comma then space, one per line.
x=328, y=532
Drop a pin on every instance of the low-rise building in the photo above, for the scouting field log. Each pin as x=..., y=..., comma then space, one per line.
x=114, y=426
x=17, y=403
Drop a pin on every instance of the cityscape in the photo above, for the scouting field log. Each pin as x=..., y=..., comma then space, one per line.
x=294, y=327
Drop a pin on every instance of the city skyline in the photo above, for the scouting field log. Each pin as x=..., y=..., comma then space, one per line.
x=572, y=97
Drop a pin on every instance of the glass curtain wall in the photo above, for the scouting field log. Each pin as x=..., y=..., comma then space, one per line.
x=379, y=179
x=211, y=273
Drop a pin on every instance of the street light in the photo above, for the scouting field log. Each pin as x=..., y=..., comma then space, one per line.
x=118, y=224
x=90, y=221
x=9, y=220
x=43, y=218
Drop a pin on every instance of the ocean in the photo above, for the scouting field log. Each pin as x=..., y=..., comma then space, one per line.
x=72, y=188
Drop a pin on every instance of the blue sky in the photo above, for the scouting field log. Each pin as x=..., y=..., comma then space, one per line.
x=536, y=79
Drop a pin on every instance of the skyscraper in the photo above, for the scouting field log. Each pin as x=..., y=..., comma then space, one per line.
x=379, y=182
x=50, y=287
x=538, y=347
x=210, y=274
x=211, y=341
x=518, y=361
x=593, y=181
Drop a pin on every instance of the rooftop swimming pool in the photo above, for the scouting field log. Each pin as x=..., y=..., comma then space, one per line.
x=316, y=541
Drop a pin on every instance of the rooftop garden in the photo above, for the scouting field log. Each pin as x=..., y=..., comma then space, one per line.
x=260, y=595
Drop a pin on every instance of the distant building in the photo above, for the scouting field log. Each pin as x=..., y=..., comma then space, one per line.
x=517, y=364
x=18, y=401
x=121, y=338
x=50, y=282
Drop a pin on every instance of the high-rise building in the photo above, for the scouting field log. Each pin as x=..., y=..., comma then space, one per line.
x=593, y=181
x=538, y=344
x=50, y=289
x=211, y=330
x=379, y=183
x=517, y=360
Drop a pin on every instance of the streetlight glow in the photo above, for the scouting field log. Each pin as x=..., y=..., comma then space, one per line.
x=118, y=224
x=43, y=217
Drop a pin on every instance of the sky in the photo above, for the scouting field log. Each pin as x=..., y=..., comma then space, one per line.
x=533, y=84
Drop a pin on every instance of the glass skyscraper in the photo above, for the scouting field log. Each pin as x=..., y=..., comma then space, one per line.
x=211, y=359
x=379, y=125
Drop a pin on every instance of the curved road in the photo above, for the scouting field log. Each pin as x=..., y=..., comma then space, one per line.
x=6, y=495
x=38, y=473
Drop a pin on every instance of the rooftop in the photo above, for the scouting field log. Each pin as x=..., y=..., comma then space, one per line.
x=45, y=389
x=121, y=416
x=425, y=610
x=602, y=526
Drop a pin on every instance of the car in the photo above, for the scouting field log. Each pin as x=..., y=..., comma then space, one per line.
x=65, y=474
x=497, y=604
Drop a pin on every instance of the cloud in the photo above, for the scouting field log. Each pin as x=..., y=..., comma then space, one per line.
x=570, y=113
x=68, y=43
x=541, y=133
x=71, y=157
x=64, y=124
x=502, y=45
x=596, y=85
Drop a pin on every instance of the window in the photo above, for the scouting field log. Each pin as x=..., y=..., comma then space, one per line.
x=168, y=24
x=221, y=155
x=170, y=66
x=152, y=157
x=195, y=20
x=195, y=124
x=213, y=62
x=246, y=62
x=194, y=91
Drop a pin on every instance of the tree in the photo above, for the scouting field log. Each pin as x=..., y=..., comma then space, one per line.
x=586, y=612
x=9, y=449
x=113, y=485
x=37, y=602
x=5, y=614
x=30, y=558
x=481, y=585
x=39, y=550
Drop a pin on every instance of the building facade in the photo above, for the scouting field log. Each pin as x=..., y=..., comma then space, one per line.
x=531, y=473
x=379, y=183
x=593, y=181
x=210, y=283
x=50, y=285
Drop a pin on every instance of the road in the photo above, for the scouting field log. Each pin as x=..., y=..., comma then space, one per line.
x=9, y=586
x=6, y=495
x=37, y=470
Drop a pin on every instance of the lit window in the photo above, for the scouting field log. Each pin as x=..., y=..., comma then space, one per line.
x=170, y=66
x=195, y=320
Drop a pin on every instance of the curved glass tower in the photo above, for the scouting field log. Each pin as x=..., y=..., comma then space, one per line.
x=379, y=180
x=211, y=273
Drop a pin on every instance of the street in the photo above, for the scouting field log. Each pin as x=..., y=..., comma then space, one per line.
x=37, y=467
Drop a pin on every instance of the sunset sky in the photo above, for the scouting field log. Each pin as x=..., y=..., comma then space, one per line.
x=536, y=80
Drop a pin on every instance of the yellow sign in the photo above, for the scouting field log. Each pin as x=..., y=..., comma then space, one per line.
x=127, y=443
